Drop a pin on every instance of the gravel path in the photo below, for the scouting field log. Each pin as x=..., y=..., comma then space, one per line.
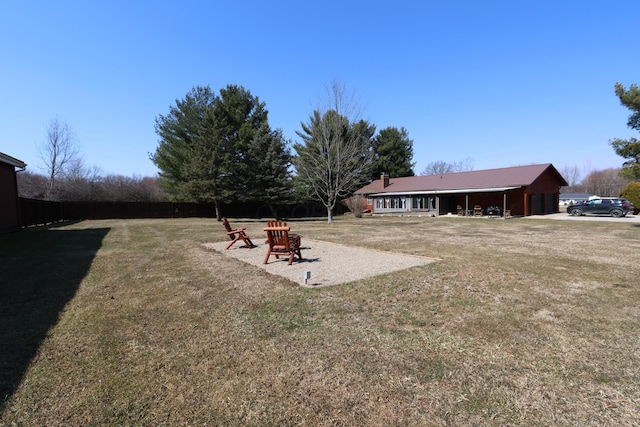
x=328, y=263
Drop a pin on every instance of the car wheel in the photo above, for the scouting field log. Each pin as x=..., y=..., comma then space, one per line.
x=576, y=212
x=616, y=213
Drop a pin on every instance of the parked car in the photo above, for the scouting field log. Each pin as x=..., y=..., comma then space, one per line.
x=615, y=207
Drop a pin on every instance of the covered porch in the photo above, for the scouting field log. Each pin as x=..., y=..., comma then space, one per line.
x=514, y=201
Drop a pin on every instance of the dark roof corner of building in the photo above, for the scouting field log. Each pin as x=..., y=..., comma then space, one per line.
x=5, y=158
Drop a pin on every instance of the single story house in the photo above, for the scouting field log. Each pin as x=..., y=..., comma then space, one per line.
x=9, y=215
x=520, y=191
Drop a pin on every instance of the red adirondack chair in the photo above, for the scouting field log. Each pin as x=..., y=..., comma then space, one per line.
x=280, y=243
x=237, y=234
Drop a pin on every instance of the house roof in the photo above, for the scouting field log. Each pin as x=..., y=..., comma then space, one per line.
x=473, y=181
x=12, y=161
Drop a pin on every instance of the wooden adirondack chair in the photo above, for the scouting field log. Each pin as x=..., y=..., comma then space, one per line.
x=477, y=210
x=275, y=223
x=280, y=243
x=237, y=234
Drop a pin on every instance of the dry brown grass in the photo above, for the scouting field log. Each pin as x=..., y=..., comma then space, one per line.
x=523, y=322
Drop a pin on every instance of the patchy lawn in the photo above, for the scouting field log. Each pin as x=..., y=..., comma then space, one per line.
x=134, y=322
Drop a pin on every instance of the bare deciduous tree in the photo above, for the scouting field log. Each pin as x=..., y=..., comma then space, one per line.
x=78, y=183
x=32, y=185
x=58, y=152
x=336, y=156
x=441, y=167
x=81, y=184
x=572, y=175
x=605, y=183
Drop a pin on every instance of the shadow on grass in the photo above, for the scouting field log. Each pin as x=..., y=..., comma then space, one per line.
x=40, y=272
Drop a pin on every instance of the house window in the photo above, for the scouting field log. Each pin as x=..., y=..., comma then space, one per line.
x=391, y=202
x=423, y=203
x=420, y=202
x=397, y=203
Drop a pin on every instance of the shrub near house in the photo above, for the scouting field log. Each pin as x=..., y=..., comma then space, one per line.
x=632, y=193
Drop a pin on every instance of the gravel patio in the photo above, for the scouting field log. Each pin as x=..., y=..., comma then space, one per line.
x=328, y=263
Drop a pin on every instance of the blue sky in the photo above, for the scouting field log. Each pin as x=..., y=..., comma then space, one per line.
x=502, y=83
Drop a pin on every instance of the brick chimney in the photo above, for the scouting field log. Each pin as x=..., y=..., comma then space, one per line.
x=385, y=180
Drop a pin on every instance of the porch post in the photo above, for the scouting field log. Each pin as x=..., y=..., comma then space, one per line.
x=504, y=204
x=466, y=205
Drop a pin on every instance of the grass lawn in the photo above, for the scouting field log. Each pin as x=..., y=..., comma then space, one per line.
x=528, y=322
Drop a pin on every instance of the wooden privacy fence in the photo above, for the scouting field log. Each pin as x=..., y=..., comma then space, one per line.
x=124, y=210
x=40, y=212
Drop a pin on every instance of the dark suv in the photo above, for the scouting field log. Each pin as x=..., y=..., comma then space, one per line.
x=610, y=206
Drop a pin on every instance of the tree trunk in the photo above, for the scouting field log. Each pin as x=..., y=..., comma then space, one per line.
x=329, y=215
x=218, y=213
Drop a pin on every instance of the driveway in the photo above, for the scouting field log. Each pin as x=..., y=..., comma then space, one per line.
x=567, y=217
